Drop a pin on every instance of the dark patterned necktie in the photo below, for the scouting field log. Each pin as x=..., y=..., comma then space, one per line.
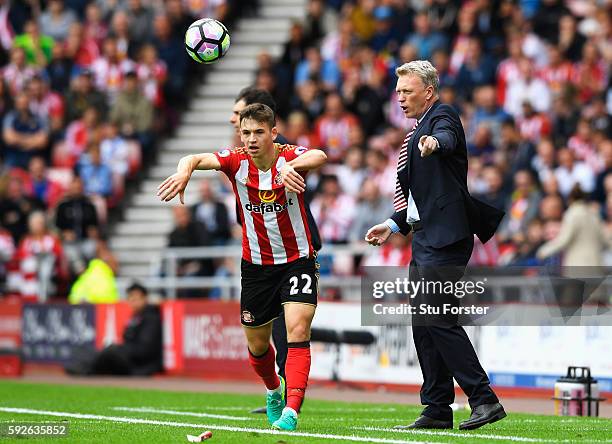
x=399, y=200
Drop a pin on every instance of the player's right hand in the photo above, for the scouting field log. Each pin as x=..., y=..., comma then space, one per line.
x=378, y=234
x=172, y=186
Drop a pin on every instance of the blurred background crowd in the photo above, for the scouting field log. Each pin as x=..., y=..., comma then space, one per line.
x=530, y=80
x=87, y=86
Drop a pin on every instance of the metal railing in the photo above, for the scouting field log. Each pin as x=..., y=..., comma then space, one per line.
x=164, y=275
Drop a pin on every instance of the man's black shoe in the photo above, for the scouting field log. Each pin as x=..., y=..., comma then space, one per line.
x=259, y=410
x=483, y=414
x=425, y=422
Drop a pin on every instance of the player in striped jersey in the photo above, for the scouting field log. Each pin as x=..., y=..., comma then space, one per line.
x=279, y=271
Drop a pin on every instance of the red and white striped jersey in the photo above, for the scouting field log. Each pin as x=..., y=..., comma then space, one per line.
x=274, y=225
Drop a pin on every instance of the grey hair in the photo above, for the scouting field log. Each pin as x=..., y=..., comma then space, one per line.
x=422, y=69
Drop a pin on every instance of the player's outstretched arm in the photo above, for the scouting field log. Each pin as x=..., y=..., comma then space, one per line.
x=177, y=183
x=310, y=160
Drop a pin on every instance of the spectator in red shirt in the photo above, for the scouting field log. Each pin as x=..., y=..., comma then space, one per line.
x=333, y=127
x=40, y=258
x=80, y=47
x=79, y=133
x=95, y=28
x=44, y=189
x=45, y=102
x=558, y=72
x=590, y=73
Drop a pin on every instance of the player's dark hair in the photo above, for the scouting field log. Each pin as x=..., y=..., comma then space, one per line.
x=137, y=287
x=260, y=113
x=252, y=95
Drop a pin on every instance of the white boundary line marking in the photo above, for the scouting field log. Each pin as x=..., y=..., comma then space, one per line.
x=465, y=435
x=128, y=420
x=322, y=410
x=182, y=413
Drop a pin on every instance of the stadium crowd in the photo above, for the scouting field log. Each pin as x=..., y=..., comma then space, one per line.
x=531, y=81
x=85, y=87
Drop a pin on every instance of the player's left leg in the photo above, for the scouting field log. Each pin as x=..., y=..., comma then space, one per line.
x=298, y=317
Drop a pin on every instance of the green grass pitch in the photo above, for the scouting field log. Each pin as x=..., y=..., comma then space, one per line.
x=115, y=416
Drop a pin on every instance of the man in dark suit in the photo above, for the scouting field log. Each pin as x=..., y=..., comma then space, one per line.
x=433, y=202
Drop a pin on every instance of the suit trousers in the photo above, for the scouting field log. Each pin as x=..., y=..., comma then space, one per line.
x=443, y=347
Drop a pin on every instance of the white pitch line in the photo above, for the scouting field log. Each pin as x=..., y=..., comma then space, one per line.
x=128, y=420
x=182, y=413
x=322, y=410
x=464, y=435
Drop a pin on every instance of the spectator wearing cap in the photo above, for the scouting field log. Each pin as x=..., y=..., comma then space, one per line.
x=56, y=20
x=83, y=95
x=25, y=134
x=134, y=112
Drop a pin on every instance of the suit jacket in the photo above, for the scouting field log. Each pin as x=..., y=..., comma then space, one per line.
x=439, y=184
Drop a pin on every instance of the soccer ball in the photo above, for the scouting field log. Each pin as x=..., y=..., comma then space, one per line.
x=207, y=40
